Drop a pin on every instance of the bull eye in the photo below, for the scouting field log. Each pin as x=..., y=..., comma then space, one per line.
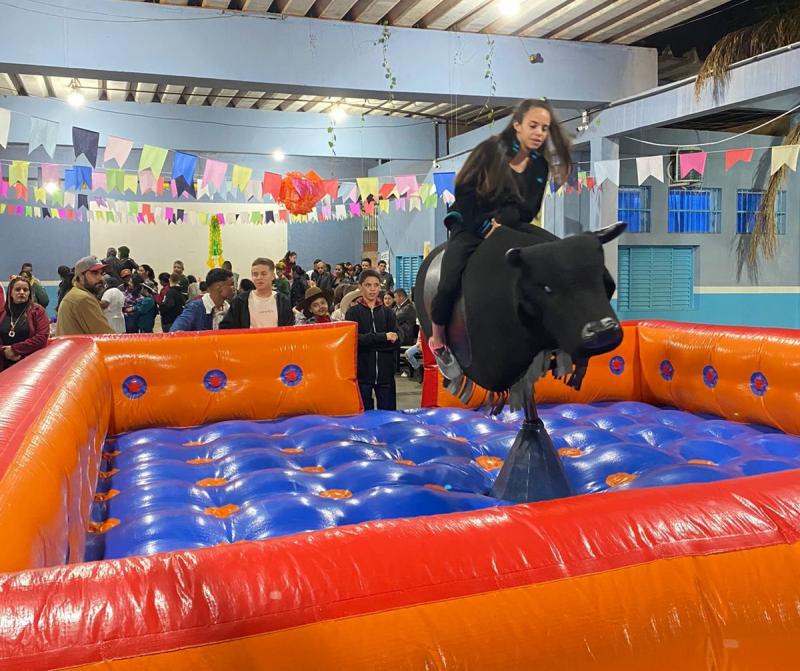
x=547, y=289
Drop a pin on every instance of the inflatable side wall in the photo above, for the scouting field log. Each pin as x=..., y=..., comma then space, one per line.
x=742, y=374
x=696, y=576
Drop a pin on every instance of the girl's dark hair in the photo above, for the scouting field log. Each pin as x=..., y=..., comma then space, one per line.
x=151, y=274
x=287, y=255
x=487, y=166
x=192, y=279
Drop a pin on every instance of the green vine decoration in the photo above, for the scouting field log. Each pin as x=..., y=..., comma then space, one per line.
x=383, y=41
x=332, y=137
x=215, y=258
x=489, y=76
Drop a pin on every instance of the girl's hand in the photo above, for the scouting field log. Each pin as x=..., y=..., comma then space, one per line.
x=494, y=227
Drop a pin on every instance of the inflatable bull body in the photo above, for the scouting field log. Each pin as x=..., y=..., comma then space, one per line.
x=531, y=303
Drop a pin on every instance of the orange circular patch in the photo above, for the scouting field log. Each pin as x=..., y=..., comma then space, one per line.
x=460, y=439
x=617, y=479
x=291, y=450
x=200, y=460
x=222, y=511
x=193, y=443
x=211, y=482
x=489, y=463
x=102, y=527
x=105, y=475
x=278, y=435
x=703, y=462
x=111, y=454
x=570, y=452
x=438, y=488
x=336, y=493
x=313, y=469
x=405, y=462
x=106, y=496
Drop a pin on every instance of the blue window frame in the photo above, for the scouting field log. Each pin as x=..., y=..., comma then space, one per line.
x=634, y=208
x=695, y=211
x=748, y=203
x=405, y=271
x=655, y=278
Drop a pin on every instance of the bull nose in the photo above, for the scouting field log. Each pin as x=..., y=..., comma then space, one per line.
x=603, y=334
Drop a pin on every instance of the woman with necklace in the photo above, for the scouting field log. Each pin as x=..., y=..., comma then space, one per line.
x=24, y=325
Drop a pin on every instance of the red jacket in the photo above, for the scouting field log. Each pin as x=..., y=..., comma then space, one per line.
x=38, y=329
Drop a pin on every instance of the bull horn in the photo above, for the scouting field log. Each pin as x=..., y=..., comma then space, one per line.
x=514, y=257
x=612, y=232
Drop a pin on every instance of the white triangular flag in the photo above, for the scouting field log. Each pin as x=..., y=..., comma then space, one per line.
x=44, y=133
x=5, y=124
x=607, y=170
x=650, y=166
x=785, y=155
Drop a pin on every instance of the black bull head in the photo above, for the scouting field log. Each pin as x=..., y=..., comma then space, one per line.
x=527, y=294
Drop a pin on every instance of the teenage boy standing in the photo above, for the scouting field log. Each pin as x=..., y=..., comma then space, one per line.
x=377, y=343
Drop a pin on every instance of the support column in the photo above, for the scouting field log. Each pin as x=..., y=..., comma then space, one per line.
x=603, y=203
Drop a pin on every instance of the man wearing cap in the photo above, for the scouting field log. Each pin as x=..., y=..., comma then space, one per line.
x=206, y=313
x=262, y=307
x=80, y=312
x=316, y=306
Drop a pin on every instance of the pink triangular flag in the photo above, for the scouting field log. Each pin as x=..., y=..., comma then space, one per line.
x=99, y=181
x=407, y=185
x=50, y=173
x=693, y=161
x=147, y=182
x=117, y=149
x=400, y=204
x=214, y=173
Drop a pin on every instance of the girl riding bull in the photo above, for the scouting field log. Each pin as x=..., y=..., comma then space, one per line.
x=502, y=183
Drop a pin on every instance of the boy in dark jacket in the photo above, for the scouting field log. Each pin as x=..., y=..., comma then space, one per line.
x=260, y=307
x=377, y=343
x=172, y=303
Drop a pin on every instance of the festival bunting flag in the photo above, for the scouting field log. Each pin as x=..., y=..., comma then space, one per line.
x=85, y=142
x=117, y=149
x=44, y=133
x=734, y=156
x=649, y=166
x=692, y=161
x=785, y=155
x=5, y=125
x=607, y=170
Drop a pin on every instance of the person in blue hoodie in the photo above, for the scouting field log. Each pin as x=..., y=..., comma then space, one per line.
x=206, y=313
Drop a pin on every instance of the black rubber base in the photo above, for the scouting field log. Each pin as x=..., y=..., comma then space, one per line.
x=532, y=471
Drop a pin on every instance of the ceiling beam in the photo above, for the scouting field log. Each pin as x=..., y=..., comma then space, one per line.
x=39, y=46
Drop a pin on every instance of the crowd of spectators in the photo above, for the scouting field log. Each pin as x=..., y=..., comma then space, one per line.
x=116, y=295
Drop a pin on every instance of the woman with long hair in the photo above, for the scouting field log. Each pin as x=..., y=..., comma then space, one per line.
x=24, y=325
x=502, y=183
x=289, y=262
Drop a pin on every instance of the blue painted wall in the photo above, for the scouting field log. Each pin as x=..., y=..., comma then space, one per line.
x=46, y=243
x=764, y=309
x=332, y=241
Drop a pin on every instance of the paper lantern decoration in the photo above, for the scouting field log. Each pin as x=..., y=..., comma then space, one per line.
x=300, y=193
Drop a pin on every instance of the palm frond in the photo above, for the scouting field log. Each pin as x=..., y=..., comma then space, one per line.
x=775, y=32
x=765, y=229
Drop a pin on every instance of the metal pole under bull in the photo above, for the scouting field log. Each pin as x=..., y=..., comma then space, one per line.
x=532, y=471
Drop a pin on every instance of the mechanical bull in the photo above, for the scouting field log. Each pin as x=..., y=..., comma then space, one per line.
x=531, y=303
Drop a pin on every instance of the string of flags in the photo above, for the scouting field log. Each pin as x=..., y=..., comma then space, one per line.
x=688, y=162
x=69, y=191
x=364, y=196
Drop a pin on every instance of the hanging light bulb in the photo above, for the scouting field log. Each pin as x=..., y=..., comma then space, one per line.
x=278, y=155
x=338, y=114
x=75, y=97
x=584, y=125
x=509, y=7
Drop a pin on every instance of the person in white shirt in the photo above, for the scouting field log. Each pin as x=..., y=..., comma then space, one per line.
x=112, y=302
x=260, y=307
x=206, y=313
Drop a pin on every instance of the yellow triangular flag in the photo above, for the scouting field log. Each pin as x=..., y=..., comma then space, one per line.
x=784, y=155
x=131, y=182
x=384, y=206
x=18, y=172
x=152, y=158
x=367, y=186
x=40, y=195
x=241, y=176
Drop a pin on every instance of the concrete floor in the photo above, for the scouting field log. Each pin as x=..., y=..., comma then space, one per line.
x=409, y=393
